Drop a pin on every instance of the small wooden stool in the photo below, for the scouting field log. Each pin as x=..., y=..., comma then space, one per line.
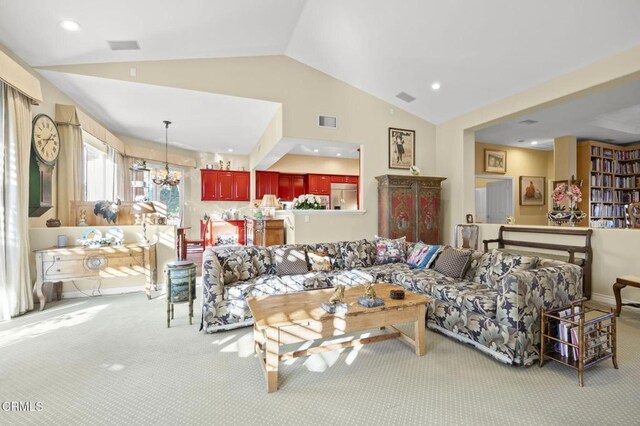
x=181, y=286
x=622, y=282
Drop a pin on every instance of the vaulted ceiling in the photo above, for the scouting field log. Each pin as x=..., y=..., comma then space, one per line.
x=479, y=52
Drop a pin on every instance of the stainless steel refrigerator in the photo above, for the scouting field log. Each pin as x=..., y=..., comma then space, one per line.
x=344, y=196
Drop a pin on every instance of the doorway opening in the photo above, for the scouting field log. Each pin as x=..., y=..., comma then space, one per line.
x=494, y=198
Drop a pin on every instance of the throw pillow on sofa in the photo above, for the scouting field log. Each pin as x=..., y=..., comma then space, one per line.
x=356, y=254
x=289, y=260
x=319, y=261
x=453, y=262
x=481, y=274
x=390, y=251
x=504, y=263
x=236, y=264
x=423, y=255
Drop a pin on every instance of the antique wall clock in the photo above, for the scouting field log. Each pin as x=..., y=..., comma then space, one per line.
x=45, y=149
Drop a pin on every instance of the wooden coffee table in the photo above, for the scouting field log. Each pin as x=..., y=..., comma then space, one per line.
x=298, y=317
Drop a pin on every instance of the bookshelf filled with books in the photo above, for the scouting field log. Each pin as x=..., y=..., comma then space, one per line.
x=611, y=179
x=578, y=336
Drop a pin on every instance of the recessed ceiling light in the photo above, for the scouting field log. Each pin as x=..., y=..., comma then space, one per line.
x=70, y=25
x=230, y=150
x=315, y=150
x=534, y=142
x=435, y=85
x=338, y=155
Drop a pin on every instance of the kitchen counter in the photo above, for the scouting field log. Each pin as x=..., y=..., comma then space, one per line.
x=318, y=212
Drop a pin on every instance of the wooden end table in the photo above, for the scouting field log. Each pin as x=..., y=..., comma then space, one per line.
x=298, y=317
x=622, y=282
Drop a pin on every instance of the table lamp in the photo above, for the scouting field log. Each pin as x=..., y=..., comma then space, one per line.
x=269, y=204
x=143, y=208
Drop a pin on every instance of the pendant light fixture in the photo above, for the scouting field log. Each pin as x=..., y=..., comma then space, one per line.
x=165, y=178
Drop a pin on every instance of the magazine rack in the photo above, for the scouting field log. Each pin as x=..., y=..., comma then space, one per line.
x=578, y=336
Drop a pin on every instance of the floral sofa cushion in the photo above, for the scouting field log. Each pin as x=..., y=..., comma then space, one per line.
x=421, y=280
x=356, y=254
x=258, y=286
x=262, y=262
x=371, y=274
x=505, y=263
x=331, y=249
x=237, y=263
x=468, y=295
x=476, y=257
x=481, y=273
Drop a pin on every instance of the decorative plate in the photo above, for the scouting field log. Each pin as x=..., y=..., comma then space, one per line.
x=115, y=233
x=92, y=234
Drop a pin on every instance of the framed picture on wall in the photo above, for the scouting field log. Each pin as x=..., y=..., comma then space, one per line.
x=402, y=148
x=532, y=191
x=495, y=161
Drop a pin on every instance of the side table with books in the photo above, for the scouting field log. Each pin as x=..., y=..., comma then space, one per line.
x=578, y=336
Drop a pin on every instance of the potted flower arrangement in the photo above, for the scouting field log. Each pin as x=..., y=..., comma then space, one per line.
x=558, y=196
x=573, y=193
x=307, y=202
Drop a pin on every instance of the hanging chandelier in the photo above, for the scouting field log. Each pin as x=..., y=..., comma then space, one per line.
x=165, y=178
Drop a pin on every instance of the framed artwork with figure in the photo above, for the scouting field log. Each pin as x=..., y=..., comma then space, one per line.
x=532, y=190
x=402, y=148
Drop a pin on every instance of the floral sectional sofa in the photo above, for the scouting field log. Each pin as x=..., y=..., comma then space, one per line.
x=495, y=306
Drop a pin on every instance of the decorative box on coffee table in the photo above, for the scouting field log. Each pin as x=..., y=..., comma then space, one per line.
x=409, y=206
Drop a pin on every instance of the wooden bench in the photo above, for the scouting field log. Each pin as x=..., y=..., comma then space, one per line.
x=564, y=249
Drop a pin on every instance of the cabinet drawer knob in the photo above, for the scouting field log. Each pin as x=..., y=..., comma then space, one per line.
x=57, y=270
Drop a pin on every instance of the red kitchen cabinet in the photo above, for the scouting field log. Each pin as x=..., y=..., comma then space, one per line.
x=291, y=186
x=242, y=186
x=222, y=185
x=225, y=186
x=209, y=179
x=344, y=179
x=266, y=183
x=319, y=184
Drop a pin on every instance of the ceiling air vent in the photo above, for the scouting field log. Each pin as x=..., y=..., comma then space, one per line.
x=327, y=121
x=608, y=140
x=124, y=45
x=527, y=122
x=404, y=96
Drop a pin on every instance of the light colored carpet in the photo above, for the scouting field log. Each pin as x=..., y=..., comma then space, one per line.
x=111, y=360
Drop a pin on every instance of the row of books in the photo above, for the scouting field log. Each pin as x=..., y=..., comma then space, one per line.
x=626, y=182
x=602, y=152
x=602, y=180
x=607, y=210
x=629, y=155
x=628, y=168
x=595, y=340
x=602, y=165
x=608, y=223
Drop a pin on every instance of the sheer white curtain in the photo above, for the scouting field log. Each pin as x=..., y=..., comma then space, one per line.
x=16, y=296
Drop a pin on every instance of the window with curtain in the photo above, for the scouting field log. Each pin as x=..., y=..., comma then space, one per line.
x=103, y=174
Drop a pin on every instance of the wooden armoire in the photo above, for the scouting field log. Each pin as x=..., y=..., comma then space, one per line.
x=409, y=206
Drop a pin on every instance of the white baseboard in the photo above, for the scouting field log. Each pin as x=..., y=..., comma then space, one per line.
x=603, y=298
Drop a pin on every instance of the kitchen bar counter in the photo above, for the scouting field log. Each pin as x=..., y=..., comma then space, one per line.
x=320, y=212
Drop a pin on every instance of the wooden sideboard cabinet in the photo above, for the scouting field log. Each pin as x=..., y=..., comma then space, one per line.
x=409, y=206
x=264, y=232
x=70, y=263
